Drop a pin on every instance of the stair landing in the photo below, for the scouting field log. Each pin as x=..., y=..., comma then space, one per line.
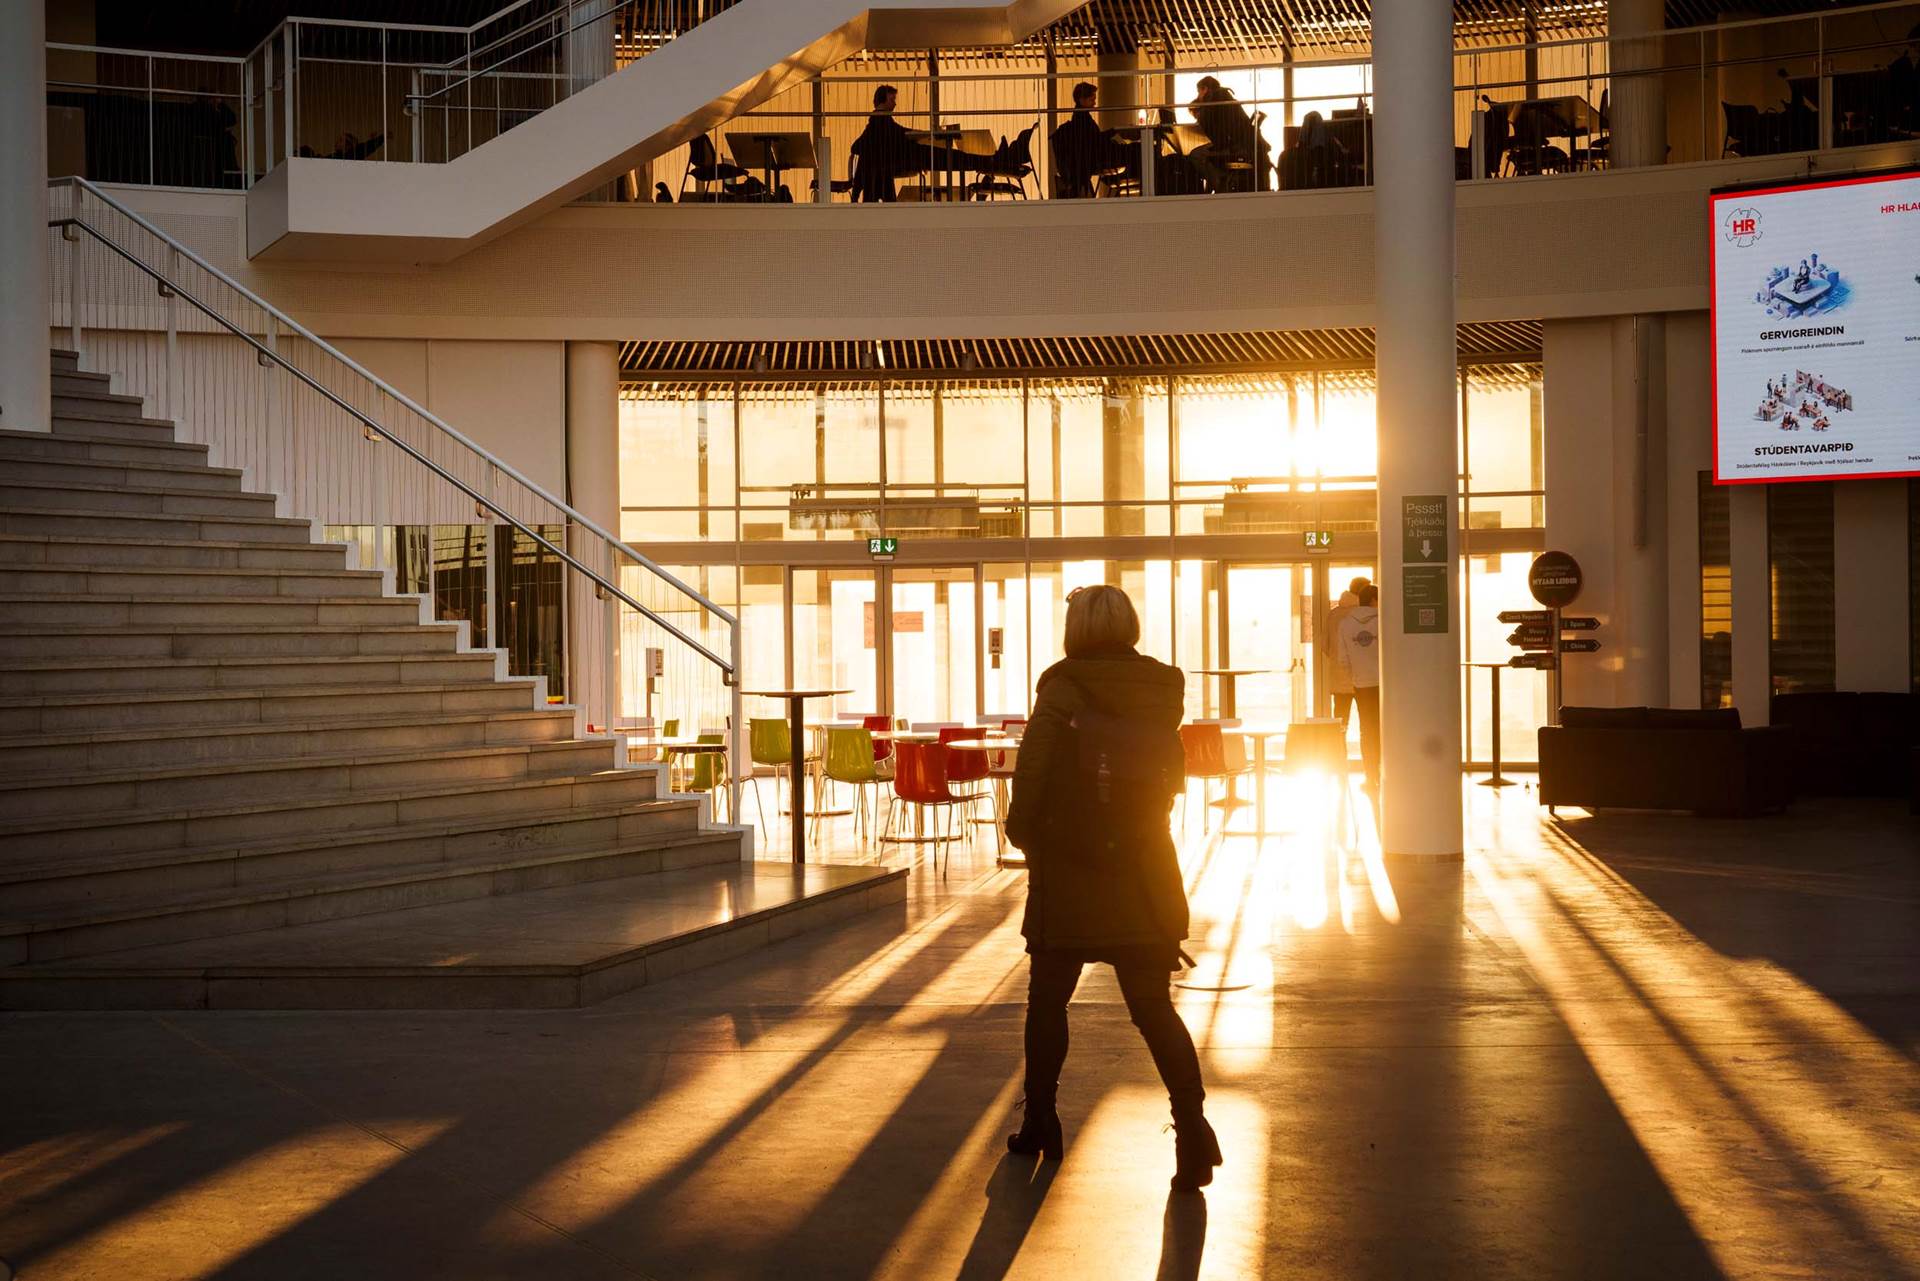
x=546, y=949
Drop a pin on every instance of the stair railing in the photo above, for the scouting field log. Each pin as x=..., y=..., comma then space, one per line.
x=440, y=91
x=349, y=450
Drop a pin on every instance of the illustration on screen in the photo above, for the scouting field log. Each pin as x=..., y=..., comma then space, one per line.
x=1808, y=288
x=1805, y=400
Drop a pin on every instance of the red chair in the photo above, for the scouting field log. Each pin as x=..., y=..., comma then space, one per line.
x=964, y=764
x=920, y=780
x=1206, y=751
x=882, y=747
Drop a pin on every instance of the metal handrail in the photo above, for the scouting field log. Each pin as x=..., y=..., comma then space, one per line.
x=381, y=384
x=265, y=352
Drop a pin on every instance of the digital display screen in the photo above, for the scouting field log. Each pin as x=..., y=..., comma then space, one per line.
x=1816, y=330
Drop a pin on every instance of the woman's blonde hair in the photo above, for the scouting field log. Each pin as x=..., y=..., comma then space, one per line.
x=1100, y=620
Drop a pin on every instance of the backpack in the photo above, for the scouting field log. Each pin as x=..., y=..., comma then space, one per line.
x=1120, y=781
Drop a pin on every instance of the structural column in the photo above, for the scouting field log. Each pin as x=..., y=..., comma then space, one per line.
x=593, y=489
x=1637, y=103
x=26, y=395
x=1414, y=291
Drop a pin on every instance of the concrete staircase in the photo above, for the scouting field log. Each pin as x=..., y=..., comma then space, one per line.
x=211, y=727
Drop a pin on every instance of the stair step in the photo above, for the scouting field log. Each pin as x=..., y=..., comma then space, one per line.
x=645, y=929
x=663, y=838
x=45, y=444
x=111, y=794
x=81, y=581
x=24, y=677
x=107, y=499
x=107, y=425
x=75, y=713
x=40, y=887
x=227, y=642
x=172, y=477
x=622, y=934
x=184, y=745
x=205, y=826
x=65, y=359
x=102, y=404
x=31, y=609
x=53, y=522
x=81, y=380
x=180, y=553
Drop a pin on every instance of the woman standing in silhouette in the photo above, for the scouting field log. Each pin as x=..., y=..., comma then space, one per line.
x=1099, y=767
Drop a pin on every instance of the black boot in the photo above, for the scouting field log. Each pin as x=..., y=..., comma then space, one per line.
x=1196, y=1151
x=1039, y=1131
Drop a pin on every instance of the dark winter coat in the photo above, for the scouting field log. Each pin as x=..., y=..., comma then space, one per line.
x=1136, y=903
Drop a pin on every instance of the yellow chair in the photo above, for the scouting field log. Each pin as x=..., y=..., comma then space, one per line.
x=848, y=758
x=707, y=772
x=769, y=745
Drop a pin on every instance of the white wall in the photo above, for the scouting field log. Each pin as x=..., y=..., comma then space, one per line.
x=1594, y=479
x=507, y=397
x=1870, y=585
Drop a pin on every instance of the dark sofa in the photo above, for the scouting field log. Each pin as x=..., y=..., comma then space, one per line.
x=1663, y=759
x=1853, y=744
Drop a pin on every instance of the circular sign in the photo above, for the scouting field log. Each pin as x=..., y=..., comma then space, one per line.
x=1554, y=578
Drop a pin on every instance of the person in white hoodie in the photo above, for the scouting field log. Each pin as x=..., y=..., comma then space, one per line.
x=1357, y=645
x=1339, y=679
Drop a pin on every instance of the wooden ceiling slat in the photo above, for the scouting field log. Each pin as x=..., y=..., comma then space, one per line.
x=1198, y=353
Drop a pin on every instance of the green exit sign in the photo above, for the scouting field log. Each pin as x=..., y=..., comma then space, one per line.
x=883, y=548
x=1319, y=540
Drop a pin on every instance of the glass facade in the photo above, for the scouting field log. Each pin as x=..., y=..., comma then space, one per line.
x=1233, y=508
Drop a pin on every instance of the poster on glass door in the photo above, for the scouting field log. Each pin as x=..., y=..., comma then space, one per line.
x=1816, y=330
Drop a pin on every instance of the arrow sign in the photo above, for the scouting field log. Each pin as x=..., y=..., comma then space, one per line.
x=1528, y=637
x=1579, y=646
x=1541, y=616
x=1580, y=624
x=1543, y=662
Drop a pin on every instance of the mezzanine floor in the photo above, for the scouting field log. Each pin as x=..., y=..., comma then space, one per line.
x=1630, y=1046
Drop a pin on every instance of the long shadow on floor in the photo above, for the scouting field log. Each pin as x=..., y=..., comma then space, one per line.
x=1829, y=891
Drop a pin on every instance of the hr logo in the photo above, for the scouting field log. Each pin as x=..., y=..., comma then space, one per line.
x=1743, y=226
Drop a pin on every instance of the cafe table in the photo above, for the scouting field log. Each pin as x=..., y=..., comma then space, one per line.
x=1259, y=735
x=796, y=701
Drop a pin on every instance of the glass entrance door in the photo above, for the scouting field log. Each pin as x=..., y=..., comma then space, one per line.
x=935, y=636
x=1270, y=621
x=834, y=630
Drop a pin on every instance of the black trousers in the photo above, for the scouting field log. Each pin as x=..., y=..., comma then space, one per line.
x=1366, y=702
x=1051, y=980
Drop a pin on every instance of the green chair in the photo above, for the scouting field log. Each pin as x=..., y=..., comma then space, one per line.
x=769, y=746
x=848, y=758
x=669, y=729
x=707, y=772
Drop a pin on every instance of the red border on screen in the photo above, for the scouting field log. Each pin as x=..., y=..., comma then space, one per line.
x=1713, y=314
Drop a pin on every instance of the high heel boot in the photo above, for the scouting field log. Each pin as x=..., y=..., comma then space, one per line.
x=1039, y=1132
x=1196, y=1151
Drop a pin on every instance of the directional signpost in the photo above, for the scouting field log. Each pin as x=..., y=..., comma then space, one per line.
x=1554, y=579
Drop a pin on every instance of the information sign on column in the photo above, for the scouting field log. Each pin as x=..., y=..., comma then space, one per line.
x=1425, y=565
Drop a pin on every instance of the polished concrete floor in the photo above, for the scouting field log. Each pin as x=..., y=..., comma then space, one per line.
x=1627, y=1046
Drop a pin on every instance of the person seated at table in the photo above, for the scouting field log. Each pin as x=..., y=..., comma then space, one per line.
x=1317, y=160
x=1082, y=150
x=1231, y=138
x=884, y=151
